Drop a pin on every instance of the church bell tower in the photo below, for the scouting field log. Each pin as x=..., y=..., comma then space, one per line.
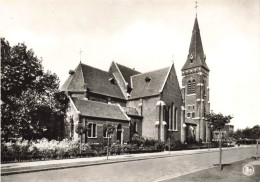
x=195, y=87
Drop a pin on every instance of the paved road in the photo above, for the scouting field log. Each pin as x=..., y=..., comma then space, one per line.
x=146, y=170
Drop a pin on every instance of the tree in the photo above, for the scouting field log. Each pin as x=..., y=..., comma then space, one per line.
x=81, y=129
x=32, y=106
x=109, y=129
x=238, y=134
x=216, y=123
x=256, y=135
x=247, y=133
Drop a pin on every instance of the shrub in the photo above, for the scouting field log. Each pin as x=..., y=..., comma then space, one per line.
x=159, y=145
x=137, y=139
x=46, y=149
x=116, y=149
x=149, y=142
x=6, y=152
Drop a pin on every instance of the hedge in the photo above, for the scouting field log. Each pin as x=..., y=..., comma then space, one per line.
x=45, y=150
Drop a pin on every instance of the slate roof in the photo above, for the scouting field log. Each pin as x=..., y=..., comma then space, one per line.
x=143, y=88
x=96, y=80
x=190, y=121
x=75, y=82
x=196, y=50
x=100, y=110
x=131, y=111
x=127, y=72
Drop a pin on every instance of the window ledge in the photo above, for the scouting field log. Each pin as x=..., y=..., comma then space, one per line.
x=191, y=94
x=92, y=137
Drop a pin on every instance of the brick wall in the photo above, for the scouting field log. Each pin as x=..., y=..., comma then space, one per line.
x=172, y=95
x=138, y=128
x=149, y=130
x=99, y=123
x=200, y=100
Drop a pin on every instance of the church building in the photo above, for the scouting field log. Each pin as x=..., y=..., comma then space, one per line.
x=151, y=104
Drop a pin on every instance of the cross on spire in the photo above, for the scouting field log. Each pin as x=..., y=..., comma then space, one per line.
x=80, y=52
x=172, y=58
x=196, y=6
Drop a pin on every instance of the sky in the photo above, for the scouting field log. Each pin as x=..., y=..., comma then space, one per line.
x=147, y=35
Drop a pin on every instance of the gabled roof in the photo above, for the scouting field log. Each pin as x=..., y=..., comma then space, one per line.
x=96, y=80
x=148, y=84
x=127, y=72
x=195, y=50
x=190, y=121
x=100, y=110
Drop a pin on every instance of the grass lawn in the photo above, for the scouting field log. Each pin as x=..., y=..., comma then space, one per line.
x=230, y=173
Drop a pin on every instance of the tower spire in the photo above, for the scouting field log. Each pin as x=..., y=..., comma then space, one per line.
x=196, y=57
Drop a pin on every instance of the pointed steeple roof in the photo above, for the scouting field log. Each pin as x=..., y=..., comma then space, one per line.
x=196, y=57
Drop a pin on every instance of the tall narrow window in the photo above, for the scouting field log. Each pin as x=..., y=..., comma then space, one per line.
x=193, y=86
x=175, y=119
x=71, y=128
x=172, y=110
x=189, y=87
x=92, y=130
x=105, y=134
x=135, y=127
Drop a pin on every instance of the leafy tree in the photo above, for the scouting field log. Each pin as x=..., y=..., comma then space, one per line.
x=32, y=106
x=109, y=129
x=81, y=129
x=216, y=123
x=247, y=133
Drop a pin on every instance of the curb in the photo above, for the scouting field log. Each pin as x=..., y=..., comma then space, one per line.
x=176, y=176
x=113, y=161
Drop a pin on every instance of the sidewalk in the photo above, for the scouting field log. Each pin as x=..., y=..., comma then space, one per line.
x=35, y=166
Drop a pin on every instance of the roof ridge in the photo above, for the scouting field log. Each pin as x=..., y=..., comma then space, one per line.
x=151, y=71
x=94, y=68
x=126, y=67
x=104, y=103
x=120, y=72
x=170, y=68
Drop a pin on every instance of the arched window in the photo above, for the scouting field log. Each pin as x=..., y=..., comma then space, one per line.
x=189, y=87
x=175, y=119
x=193, y=86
